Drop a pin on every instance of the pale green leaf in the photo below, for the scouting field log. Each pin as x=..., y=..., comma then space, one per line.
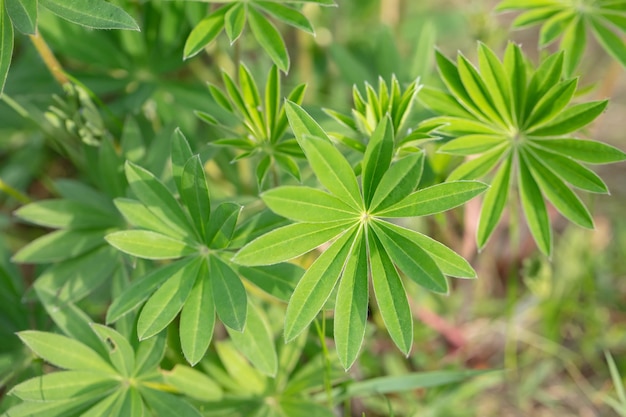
x=306, y=204
x=192, y=383
x=205, y=32
x=302, y=124
x=64, y=385
x=234, y=21
x=494, y=203
x=95, y=14
x=535, y=209
x=149, y=245
x=120, y=351
x=269, y=38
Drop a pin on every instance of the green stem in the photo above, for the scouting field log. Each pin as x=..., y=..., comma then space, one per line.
x=16, y=194
x=321, y=332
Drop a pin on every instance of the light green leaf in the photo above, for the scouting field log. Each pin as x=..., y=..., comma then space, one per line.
x=95, y=14
x=351, y=305
x=480, y=166
x=435, y=199
x=496, y=81
x=555, y=26
x=107, y=406
x=317, y=283
x=411, y=259
x=251, y=99
x=515, y=67
x=477, y=90
x=494, y=202
x=234, y=21
x=377, y=158
x=573, y=42
x=398, y=181
x=588, y=151
x=286, y=14
x=163, y=306
x=192, y=383
x=149, y=245
x=442, y=103
x=571, y=171
x=149, y=354
x=66, y=214
x=164, y=404
x=256, y=342
x=242, y=376
x=273, y=101
x=610, y=41
x=332, y=170
x=446, y=259
x=140, y=289
x=6, y=45
x=302, y=124
x=197, y=319
x=194, y=193
x=288, y=242
x=60, y=408
x=306, y=204
x=571, y=119
x=552, y=103
x=559, y=194
x=535, y=209
x=64, y=385
x=121, y=353
x=139, y=216
x=63, y=352
x=133, y=147
x=23, y=14
x=229, y=294
x=205, y=32
x=60, y=245
x=276, y=280
x=269, y=38
x=159, y=200
x=472, y=144
x=391, y=296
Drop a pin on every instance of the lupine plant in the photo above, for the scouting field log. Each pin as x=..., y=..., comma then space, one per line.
x=200, y=273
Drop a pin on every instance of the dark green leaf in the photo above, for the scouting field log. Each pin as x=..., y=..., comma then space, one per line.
x=535, y=210
x=222, y=226
x=194, y=193
x=23, y=14
x=398, y=181
x=611, y=42
x=588, y=151
x=494, y=202
x=377, y=158
x=277, y=280
x=180, y=154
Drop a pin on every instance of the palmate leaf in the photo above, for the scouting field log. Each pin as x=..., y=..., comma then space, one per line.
x=571, y=21
x=531, y=127
x=362, y=243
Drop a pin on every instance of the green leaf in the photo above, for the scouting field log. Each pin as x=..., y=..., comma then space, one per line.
x=121, y=353
x=391, y=296
x=472, y=144
x=6, y=46
x=269, y=38
x=149, y=354
x=95, y=14
x=552, y=103
x=163, y=306
x=332, y=170
x=139, y=290
x=447, y=260
x=451, y=78
x=398, y=181
x=63, y=352
x=588, y=151
x=351, y=305
x=139, y=216
x=535, y=209
x=306, y=204
x=571, y=171
x=411, y=259
x=494, y=202
x=286, y=14
x=222, y=226
x=559, y=194
x=194, y=193
x=229, y=294
x=573, y=42
x=205, y=32
x=479, y=167
x=180, y=154
x=317, y=283
x=435, y=199
x=288, y=242
x=377, y=158
x=197, y=319
x=496, y=81
x=64, y=385
x=61, y=408
x=302, y=124
x=193, y=383
x=133, y=147
x=159, y=200
x=164, y=404
x=273, y=101
x=23, y=14
x=442, y=103
x=477, y=90
x=276, y=280
x=65, y=214
x=611, y=42
x=60, y=245
x=72, y=280
x=234, y=22
x=555, y=26
x=571, y=119
x=256, y=342
x=149, y=245
x=515, y=67
x=251, y=99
